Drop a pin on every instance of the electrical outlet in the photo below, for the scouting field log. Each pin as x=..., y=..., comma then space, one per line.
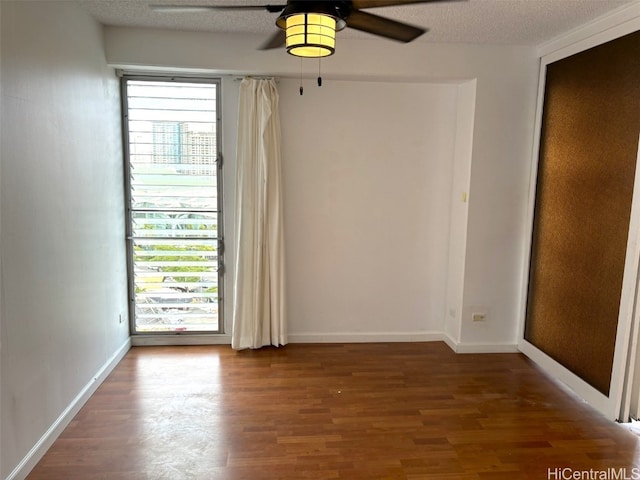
x=478, y=317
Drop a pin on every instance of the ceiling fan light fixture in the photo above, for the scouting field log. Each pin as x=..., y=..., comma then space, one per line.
x=311, y=35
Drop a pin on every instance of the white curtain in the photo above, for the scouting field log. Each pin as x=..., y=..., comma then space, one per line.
x=259, y=297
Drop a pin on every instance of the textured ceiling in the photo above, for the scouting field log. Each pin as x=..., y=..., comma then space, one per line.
x=516, y=22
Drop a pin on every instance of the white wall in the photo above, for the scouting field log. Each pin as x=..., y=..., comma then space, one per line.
x=63, y=260
x=459, y=211
x=367, y=172
x=497, y=85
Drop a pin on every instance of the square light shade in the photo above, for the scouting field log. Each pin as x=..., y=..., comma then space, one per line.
x=311, y=35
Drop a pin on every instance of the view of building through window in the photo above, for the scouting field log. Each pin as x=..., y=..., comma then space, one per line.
x=174, y=235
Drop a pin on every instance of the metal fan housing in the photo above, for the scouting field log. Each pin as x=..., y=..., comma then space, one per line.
x=338, y=10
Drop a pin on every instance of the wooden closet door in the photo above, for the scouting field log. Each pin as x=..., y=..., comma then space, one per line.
x=588, y=152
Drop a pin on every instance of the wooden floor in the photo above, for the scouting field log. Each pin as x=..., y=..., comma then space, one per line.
x=358, y=411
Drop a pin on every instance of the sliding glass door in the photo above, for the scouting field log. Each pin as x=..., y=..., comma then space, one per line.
x=174, y=211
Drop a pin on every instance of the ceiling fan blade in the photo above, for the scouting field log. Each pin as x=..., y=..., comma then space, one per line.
x=357, y=4
x=208, y=8
x=384, y=27
x=277, y=40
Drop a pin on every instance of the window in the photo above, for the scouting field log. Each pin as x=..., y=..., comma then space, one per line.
x=174, y=234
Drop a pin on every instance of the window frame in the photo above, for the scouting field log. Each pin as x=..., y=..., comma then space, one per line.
x=125, y=77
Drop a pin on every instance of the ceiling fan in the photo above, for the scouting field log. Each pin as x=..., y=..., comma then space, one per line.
x=308, y=27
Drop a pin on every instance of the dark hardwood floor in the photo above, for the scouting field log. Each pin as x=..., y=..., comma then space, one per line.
x=355, y=411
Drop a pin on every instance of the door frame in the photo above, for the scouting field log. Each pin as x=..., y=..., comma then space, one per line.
x=182, y=338
x=610, y=28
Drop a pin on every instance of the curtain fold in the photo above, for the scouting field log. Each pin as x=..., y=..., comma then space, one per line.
x=259, y=316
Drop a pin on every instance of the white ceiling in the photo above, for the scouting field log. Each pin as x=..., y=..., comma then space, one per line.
x=515, y=22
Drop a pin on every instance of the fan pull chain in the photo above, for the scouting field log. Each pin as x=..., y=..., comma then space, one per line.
x=319, y=74
x=301, y=87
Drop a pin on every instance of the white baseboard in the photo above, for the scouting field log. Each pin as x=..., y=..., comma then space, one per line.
x=452, y=344
x=571, y=382
x=351, y=337
x=40, y=448
x=487, y=348
x=460, y=347
x=359, y=337
x=169, y=340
